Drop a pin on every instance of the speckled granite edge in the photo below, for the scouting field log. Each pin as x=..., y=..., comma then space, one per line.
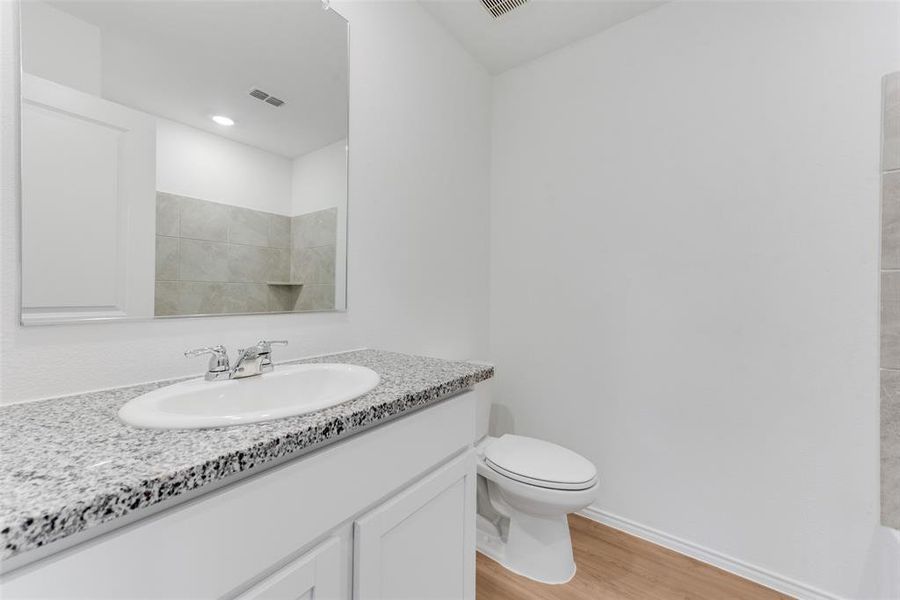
x=23, y=528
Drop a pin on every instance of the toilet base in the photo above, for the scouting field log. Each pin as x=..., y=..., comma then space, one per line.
x=539, y=548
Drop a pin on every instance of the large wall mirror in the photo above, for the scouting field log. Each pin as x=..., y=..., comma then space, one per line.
x=182, y=158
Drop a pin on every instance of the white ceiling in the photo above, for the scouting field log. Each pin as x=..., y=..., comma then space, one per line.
x=533, y=29
x=189, y=60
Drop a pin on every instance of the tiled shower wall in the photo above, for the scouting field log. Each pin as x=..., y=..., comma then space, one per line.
x=890, y=304
x=313, y=252
x=213, y=258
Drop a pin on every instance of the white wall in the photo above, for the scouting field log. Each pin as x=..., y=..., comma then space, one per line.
x=684, y=276
x=191, y=162
x=61, y=48
x=320, y=179
x=407, y=191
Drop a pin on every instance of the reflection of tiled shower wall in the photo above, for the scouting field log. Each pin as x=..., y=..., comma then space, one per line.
x=313, y=251
x=212, y=258
x=890, y=305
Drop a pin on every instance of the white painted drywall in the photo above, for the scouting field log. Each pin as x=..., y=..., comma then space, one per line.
x=532, y=29
x=684, y=275
x=419, y=186
x=60, y=47
x=192, y=59
x=319, y=181
x=190, y=162
x=194, y=163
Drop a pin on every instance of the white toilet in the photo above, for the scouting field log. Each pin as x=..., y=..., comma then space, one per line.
x=526, y=487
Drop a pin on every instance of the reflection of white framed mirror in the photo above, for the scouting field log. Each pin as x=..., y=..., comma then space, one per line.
x=182, y=158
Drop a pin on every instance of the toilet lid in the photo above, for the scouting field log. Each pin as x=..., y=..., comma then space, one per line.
x=540, y=463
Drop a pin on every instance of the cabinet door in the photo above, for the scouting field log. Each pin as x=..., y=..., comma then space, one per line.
x=421, y=543
x=314, y=576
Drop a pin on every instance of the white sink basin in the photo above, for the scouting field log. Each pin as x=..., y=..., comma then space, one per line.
x=285, y=392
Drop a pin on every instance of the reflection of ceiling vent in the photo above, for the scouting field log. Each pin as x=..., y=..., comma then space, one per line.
x=499, y=8
x=261, y=95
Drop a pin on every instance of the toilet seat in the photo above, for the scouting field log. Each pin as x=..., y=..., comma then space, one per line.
x=539, y=463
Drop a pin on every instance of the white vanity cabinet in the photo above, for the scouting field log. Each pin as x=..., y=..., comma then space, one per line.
x=417, y=544
x=387, y=513
x=316, y=574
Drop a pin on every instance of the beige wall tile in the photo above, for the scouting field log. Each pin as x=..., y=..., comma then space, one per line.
x=203, y=261
x=890, y=319
x=168, y=214
x=166, y=258
x=283, y=298
x=281, y=265
x=890, y=157
x=316, y=297
x=200, y=298
x=247, y=226
x=890, y=306
x=890, y=221
x=222, y=257
x=892, y=89
x=314, y=229
x=166, y=301
x=246, y=298
x=313, y=265
x=202, y=220
x=279, y=231
x=890, y=448
x=255, y=264
x=891, y=151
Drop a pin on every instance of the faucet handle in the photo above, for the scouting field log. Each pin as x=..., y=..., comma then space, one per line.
x=218, y=361
x=266, y=345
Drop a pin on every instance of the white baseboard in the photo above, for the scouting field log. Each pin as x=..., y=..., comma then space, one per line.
x=756, y=574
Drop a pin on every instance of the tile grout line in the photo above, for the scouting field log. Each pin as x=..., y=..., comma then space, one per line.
x=260, y=283
x=193, y=239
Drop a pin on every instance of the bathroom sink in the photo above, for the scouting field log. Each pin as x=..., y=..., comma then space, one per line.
x=285, y=392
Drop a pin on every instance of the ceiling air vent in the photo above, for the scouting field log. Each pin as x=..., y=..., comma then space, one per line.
x=265, y=97
x=498, y=8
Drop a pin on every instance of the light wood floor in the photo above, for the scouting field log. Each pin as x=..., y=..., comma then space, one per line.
x=612, y=564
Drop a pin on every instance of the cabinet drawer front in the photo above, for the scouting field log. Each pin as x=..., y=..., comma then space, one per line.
x=421, y=543
x=315, y=575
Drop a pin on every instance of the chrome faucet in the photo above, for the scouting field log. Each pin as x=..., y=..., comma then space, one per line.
x=252, y=361
x=218, y=362
x=255, y=360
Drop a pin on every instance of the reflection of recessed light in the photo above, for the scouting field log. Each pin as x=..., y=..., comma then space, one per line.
x=223, y=120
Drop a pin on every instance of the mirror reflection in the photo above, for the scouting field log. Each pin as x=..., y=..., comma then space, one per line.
x=182, y=158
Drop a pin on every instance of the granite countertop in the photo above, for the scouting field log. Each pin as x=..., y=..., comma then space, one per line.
x=68, y=464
